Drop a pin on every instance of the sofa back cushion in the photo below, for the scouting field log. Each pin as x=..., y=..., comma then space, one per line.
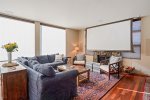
x=43, y=59
x=44, y=69
x=31, y=63
x=31, y=58
x=51, y=58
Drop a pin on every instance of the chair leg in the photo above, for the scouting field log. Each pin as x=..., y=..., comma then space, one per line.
x=118, y=73
x=118, y=76
x=84, y=65
x=100, y=71
x=109, y=76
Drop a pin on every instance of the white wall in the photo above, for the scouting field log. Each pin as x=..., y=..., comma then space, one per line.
x=72, y=37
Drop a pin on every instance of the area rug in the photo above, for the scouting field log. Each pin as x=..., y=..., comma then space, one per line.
x=96, y=87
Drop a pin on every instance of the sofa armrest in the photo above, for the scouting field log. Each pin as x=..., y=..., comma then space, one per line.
x=67, y=74
x=60, y=80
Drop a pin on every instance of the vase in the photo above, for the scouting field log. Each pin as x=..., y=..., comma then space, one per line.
x=9, y=57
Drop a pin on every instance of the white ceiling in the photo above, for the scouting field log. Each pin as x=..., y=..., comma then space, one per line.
x=76, y=14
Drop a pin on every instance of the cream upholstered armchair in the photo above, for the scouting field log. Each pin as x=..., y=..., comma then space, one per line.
x=111, y=66
x=79, y=59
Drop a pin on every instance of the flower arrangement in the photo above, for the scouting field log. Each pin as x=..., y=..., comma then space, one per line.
x=10, y=47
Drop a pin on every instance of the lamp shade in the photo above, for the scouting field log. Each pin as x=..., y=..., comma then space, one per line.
x=76, y=48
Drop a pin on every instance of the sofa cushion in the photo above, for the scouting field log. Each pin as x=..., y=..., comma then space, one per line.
x=58, y=58
x=79, y=62
x=51, y=58
x=43, y=59
x=45, y=69
x=32, y=62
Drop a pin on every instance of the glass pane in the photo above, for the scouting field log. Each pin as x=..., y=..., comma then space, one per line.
x=53, y=40
x=23, y=33
x=136, y=54
x=136, y=25
x=136, y=38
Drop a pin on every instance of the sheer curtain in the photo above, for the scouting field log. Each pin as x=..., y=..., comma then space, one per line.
x=23, y=33
x=53, y=40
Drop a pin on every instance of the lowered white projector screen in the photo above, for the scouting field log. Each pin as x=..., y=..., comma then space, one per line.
x=116, y=36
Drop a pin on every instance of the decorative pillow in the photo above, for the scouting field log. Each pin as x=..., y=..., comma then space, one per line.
x=32, y=62
x=51, y=58
x=43, y=59
x=114, y=59
x=45, y=69
x=80, y=57
x=58, y=58
x=23, y=60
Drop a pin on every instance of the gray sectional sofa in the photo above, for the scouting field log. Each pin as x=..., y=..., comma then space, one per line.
x=45, y=82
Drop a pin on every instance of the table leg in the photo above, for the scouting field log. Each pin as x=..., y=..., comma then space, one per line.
x=88, y=75
x=77, y=81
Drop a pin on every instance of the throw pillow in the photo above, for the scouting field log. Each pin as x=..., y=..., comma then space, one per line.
x=23, y=60
x=58, y=58
x=32, y=62
x=51, y=58
x=44, y=69
x=114, y=59
x=43, y=59
x=80, y=57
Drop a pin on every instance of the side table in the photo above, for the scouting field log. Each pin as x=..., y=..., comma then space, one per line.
x=13, y=82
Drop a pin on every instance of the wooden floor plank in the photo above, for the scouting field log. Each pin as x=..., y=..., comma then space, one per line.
x=131, y=87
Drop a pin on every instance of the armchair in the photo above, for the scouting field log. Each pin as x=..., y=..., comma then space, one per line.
x=79, y=59
x=111, y=66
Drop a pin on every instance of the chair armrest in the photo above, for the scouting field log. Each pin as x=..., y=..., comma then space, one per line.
x=114, y=67
x=74, y=58
x=115, y=63
x=65, y=60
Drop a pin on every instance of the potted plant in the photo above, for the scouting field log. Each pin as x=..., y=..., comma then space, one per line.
x=10, y=47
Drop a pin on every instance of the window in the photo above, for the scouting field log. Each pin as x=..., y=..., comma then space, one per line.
x=53, y=40
x=136, y=40
x=23, y=33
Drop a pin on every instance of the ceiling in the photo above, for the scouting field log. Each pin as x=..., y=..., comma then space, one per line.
x=76, y=14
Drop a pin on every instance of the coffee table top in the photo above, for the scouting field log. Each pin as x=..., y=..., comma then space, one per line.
x=80, y=69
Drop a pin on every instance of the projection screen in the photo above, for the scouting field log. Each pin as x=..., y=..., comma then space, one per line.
x=110, y=37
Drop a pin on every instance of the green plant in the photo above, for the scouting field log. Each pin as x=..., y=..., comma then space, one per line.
x=10, y=47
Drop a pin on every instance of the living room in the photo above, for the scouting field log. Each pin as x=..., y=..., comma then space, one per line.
x=75, y=50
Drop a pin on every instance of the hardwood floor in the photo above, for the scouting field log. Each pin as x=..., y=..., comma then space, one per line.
x=131, y=87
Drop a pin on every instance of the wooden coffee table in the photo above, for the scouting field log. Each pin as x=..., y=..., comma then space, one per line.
x=81, y=70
